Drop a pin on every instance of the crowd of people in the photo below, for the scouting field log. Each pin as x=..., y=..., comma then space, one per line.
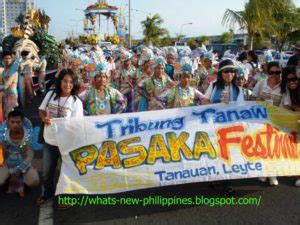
x=87, y=83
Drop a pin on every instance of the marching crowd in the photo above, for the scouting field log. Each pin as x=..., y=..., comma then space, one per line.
x=87, y=83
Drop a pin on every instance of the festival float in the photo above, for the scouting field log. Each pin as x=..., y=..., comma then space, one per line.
x=31, y=34
x=94, y=12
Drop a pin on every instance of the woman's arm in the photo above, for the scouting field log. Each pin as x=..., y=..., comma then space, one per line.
x=43, y=115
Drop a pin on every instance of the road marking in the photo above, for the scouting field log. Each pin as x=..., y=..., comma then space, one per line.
x=46, y=214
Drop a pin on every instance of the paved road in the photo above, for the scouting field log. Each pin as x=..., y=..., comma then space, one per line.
x=279, y=205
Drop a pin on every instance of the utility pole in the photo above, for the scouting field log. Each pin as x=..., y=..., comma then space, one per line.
x=129, y=26
x=100, y=2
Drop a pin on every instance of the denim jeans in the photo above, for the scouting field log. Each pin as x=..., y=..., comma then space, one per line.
x=51, y=156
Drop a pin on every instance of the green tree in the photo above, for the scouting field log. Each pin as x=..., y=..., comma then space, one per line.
x=153, y=31
x=282, y=23
x=226, y=37
x=166, y=41
x=294, y=36
x=193, y=43
x=203, y=40
x=257, y=16
x=261, y=42
x=126, y=44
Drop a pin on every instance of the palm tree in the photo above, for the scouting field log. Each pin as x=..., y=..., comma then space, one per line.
x=250, y=19
x=258, y=16
x=152, y=30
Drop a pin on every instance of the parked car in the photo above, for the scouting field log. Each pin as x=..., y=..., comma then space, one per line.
x=282, y=58
x=221, y=48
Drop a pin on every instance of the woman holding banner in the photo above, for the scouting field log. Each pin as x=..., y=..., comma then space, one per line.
x=224, y=89
x=290, y=86
x=103, y=99
x=58, y=103
x=269, y=90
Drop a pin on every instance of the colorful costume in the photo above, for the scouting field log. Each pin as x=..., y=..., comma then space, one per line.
x=178, y=97
x=26, y=70
x=10, y=78
x=200, y=75
x=126, y=79
x=140, y=102
x=16, y=159
x=42, y=72
x=114, y=102
x=152, y=88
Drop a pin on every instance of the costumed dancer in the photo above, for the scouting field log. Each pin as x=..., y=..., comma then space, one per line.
x=155, y=85
x=10, y=79
x=42, y=65
x=111, y=69
x=200, y=74
x=183, y=94
x=96, y=55
x=212, y=72
x=262, y=74
x=26, y=70
x=252, y=65
x=241, y=80
x=171, y=59
x=102, y=99
x=126, y=79
x=17, y=142
x=140, y=102
x=139, y=52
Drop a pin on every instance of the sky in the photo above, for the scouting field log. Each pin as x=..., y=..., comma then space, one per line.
x=205, y=15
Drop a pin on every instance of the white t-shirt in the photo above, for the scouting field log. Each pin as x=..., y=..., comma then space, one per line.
x=263, y=92
x=61, y=107
x=286, y=99
x=209, y=93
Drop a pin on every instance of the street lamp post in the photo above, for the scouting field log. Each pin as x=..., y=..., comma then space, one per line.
x=180, y=34
x=76, y=24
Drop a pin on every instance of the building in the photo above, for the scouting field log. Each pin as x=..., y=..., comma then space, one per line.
x=10, y=10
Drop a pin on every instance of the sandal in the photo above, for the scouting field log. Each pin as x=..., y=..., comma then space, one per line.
x=63, y=206
x=41, y=200
x=230, y=191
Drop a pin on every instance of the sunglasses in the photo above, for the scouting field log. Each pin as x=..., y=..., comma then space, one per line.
x=278, y=72
x=228, y=71
x=294, y=79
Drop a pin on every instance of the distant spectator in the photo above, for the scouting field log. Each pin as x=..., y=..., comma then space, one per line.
x=295, y=59
x=243, y=55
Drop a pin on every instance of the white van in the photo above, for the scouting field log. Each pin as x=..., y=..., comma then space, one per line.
x=180, y=44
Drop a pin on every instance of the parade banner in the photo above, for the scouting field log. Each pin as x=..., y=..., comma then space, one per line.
x=118, y=153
